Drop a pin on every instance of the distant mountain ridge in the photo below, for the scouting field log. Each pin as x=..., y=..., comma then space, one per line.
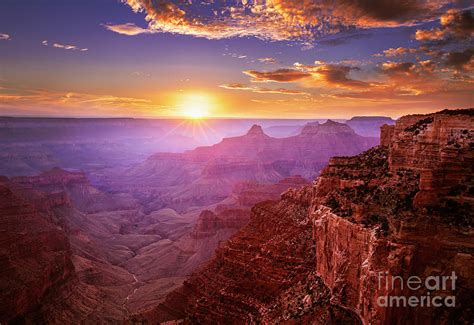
x=206, y=174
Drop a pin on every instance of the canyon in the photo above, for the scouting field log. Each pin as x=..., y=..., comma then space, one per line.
x=252, y=229
x=108, y=242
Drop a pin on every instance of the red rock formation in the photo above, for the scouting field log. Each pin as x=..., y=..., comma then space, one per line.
x=35, y=256
x=439, y=146
x=263, y=274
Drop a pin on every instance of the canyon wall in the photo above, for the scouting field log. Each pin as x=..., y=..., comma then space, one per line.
x=35, y=255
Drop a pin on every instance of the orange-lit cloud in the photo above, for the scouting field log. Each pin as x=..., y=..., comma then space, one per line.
x=280, y=75
x=428, y=65
x=281, y=19
x=391, y=52
x=455, y=24
x=261, y=90
x=391, y=81
x=429, y=35
x=77, y=103
x=398, y=68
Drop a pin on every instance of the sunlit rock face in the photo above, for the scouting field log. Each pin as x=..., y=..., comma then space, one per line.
x=315, y=255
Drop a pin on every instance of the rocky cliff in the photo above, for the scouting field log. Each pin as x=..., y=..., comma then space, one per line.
x=35, y=255
x=326, y=253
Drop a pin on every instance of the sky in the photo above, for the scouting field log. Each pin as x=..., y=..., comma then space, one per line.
x=262, y=58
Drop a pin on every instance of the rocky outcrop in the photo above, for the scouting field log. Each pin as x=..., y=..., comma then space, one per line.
x=35, y=255
x=440, y=147
x=371, y=217
x=327, y=253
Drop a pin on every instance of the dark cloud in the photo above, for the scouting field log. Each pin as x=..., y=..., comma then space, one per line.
x=344, y=39
x=387, y=10
x=398, y=68
x=460, y=60
x=339, y=75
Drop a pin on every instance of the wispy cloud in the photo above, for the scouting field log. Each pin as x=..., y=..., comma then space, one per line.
x=77, y=103
x=268, y=60
x=261, y=90
x=5, y=37
x=128, y=29
x=64, y=46
x=280, y=75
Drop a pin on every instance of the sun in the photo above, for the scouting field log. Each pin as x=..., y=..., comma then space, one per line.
x=195, y=106
x=195, y=112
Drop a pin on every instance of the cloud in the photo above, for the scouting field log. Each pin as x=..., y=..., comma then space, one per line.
x=461, y=60
x=434, y=34
x=428, y=65
x=79, y=103
x=5, y=37
x=280, y=75
x=398, y=68
x=319, y=75
x=260, y=90
x=280, y=19
x=235, y=86
x=458, y=23
x=338, y=75
x=332, y=75
x=455, y=25
x=268, y=60
x=391, y=52
x=235, y=55
x=128, y=29
x=140, y=74
x=64, y=46
x=344, y=39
